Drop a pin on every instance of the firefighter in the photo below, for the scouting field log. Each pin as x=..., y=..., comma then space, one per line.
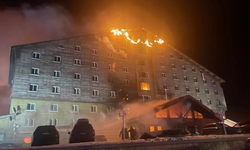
x=126, y=134
x=132, y=133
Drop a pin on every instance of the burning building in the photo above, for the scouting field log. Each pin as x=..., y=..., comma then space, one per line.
x=56, y=82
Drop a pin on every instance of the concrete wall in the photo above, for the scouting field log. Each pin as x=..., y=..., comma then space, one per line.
x=207, y=143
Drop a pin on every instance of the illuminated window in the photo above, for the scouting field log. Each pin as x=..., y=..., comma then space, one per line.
x=152, y=128
x=77, y=91
x=145, y=86
x=35, y=71
x=77, y=62
x=77, y=76
x=93, y=109
x=159, y=128
x=197, y=115
x=143, y=74
x=112, y=94
x=146, y=98
x=54, y=107
x=78, y=48
x=95, y=78
x=94, y=52
x=94, y=64
x=36, y=55
x=57, y=59
x=57, y=73
x=56, y=89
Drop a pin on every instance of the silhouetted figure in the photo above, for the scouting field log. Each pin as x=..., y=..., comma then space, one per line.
x=126, y=134
x=132, y=133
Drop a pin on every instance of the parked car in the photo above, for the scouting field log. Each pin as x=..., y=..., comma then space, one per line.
x=45, y=135
x=8, y=146
x=217, y=128
x=83, y=131
x=174, y=133
x=247, y=144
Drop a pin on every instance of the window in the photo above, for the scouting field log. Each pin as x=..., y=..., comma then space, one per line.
x=204, y=81
x=95, y=93
x=55, y=89
x=146, y=98
x=184, y=68
x=57, y=59
x=165, y=86
x=159, y=128
x=209, y=102
x=36, y=55
x=187, y=89
x=163, y=75
x=197, y=90
x=94, y=52
x=173, y=66
x=142, y=62
x=151, y=128
x=195, y=79
x=125, y=69
x=126, y=81
x=93, y=109
x=74, y=108
x=171, y=56
x=95, y=78
x=33, y=88
x=199, y=100
x=29, y=122
x=31, y=106
x=175, y=77
x=145, y=86
x=112, y=67
x=35, y=71
x=206, y=91
x=111, y=109
x=162, y=64
x=185, y=78
x=213, y=82
x=57, y=73
x=77, y=76
x=143, y=74
x=181, y=58
x=176, y=87
x=77, y=91
x=216, y=92
x=94, y=64
x=53, y=122
x=54, y=107
x=77, y=62
x=218, y=102
x=111, y=80
x=78, y=48
x=110, y=55
x=112, y=94
x=193, y=69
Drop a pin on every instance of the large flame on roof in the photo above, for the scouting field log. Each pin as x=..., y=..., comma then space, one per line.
x=125, y=32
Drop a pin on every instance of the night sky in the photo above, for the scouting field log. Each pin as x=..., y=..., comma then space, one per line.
x=213, y=33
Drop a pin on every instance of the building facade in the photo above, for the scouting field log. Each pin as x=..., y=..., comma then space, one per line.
x=57, y=82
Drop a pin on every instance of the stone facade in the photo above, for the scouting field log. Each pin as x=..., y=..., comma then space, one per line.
x=50, y=79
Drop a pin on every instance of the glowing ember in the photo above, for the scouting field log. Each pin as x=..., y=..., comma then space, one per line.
x=124, y=32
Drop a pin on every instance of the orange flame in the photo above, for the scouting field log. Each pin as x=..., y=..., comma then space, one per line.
x=124, y=32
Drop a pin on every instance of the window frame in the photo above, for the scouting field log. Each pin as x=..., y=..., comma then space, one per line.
x=94, y=51
x=148, y=85
x=76, y=75
x=78, y=48
x=52, y=106
x=112, y=94
x=75, y=108
x=56, y=73
x=95, y=78
x=35, y=54
x=95, y=93
x=77, y=62
x=163, y=75
x=56, y=60
x=35, y=68
x=56, y=87
x=77, y=91
x=126, y=82
x=125, y=70
x=148, y=98
x=34, y=104
x=28, y=122
x=33, y=85
x=93, y=109
x=95, y=64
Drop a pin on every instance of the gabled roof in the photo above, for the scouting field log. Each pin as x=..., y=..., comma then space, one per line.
x=162, y=104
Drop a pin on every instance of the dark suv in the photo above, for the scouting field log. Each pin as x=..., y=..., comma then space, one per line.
x=45, y=135
x=82, y=132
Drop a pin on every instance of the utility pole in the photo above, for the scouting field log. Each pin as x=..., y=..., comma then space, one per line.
x=166, y=94
x=122, y=114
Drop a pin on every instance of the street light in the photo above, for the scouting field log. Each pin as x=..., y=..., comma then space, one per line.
x=122, y=114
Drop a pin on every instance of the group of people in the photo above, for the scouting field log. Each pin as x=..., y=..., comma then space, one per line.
x=129, y=134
